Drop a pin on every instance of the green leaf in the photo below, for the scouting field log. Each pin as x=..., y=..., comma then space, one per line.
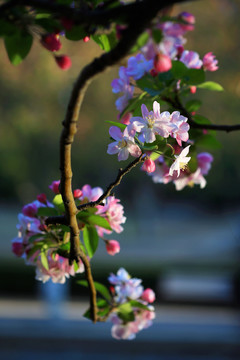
x=18, y=46
x=6, y=28
x=193, y=105
x=102, y=289
x=139, y=305
x=157, y=35
x=35, y=237
x=211, y=85
x=47, y=211
x=125, y=312
x=134, y=103
x=141, y=41
x=93, y=219
x=90, y=238
x=76, y=33
x=120, y=125
x=58, y=202
x=194, y=76
x=44, y=260
x=101, y=304
x=106, y=41
x=178, y=69
x=47, y=23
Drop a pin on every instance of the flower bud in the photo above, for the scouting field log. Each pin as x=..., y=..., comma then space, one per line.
x=86, y=39
x=17, y=248
x=42, y=198
x=51, y=42
x=63, y=61
x=162, y=63
x=55, y=186
x=112, y=247
x=209, y=62
x=193, y=89
x=126, y=118
x=148, y=295
x=77, y=193
x=149, y=165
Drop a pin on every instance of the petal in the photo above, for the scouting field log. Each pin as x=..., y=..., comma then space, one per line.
x=115, y=133
x=123, y=154
x=156, y=109
x=185, y=151
x=145, y=111
x=113, y=148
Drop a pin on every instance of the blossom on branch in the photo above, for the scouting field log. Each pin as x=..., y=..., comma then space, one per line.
x=181, y=162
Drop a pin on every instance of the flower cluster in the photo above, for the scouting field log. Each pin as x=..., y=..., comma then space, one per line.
x=47, y=247
x=133, y=312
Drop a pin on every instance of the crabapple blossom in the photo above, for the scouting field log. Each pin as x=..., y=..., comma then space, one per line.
x=30, y=210
x=151, y=123
x=190, y=180
x=180, y=162
x=191, y=59
x=90, y=194
x=138, y=66
x=112, y=247
x=124, y=144
x=42, y=198
x=180, y=132
x=204, y=162
x=113, y=212
x=189, y=18
x=209, y=62
x=77, y=193
x=122, y=85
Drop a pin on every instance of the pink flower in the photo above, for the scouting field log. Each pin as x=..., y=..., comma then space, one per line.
x=112, y=247
x=30, y=210
x=114, y=213
x=209, y=62
x=190, y=180
x=149, y=165
x=92, y=194
x=191, y=59
x=124, y=144
x=180, y=132
x=126, y=118
x=51, y=42
x=148, y=295
x=63, y=61
x=162, y=63
x=204, y=162
x=55, y=186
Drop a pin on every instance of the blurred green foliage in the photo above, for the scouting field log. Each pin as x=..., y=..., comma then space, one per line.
x=34, y=96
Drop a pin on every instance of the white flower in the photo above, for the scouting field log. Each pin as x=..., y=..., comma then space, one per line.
x=180, y=162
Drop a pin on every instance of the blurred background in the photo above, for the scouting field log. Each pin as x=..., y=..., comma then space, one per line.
x=185, y=245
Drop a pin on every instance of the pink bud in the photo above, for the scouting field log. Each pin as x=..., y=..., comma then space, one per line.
x=17, y=248
x=180, y=50
x=51, y=42
x=77, y=193
x=193, y=89
x=148, y=295
x=63, y=61
x=149, y=165
x=162, y=63
x=153, y=72
x=30, y=210
x=112, y=247
x=55, y=186
x=86, y=39
x=42, y=198
x=189, y=18
x=126, y=118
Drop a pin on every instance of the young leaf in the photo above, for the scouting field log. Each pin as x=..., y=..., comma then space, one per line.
x=58, y=202
x=103, y=290
x=178, y=69
x=142, y=39
x=194, y=76
x=211, y=85
x=90, y=238
x=18, y=46
x=44, y=260
x=105, y=41
x=138, y=304
x=94, y=220
x=125, y=312
x=199, y=119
